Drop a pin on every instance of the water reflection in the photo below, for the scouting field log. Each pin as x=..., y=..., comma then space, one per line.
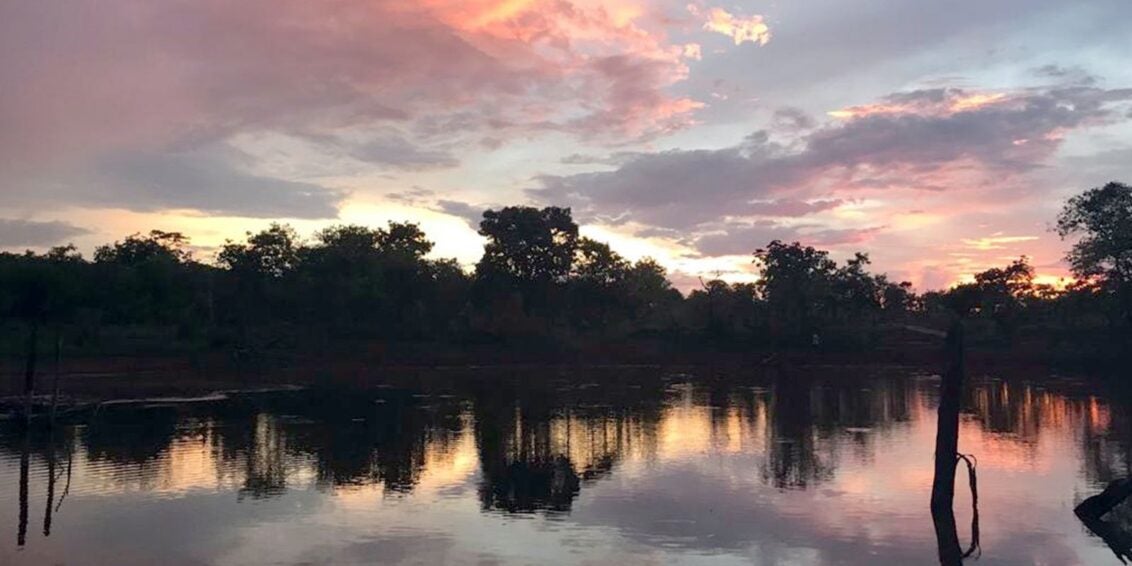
x=809, y=468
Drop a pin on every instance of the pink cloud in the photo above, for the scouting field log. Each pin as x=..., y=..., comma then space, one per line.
x=947, y=151
x=128, y=74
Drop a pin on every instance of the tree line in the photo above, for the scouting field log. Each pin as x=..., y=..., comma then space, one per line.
x=538, y=282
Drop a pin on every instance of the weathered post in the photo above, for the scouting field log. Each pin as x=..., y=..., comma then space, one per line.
x=50, y=483
x=29, y=370
x=25, y=468
x=947, y=449
x=58, y=369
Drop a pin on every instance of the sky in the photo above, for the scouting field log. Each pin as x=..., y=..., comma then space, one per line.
x=939, y=137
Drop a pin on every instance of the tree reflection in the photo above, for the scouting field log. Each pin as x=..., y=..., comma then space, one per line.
x=539, y=445
x=792, y=456
x=541, y=440
x=131, y=435
x=522, y=471
x=33, y=443
x=265, y=464
x=25, y=465
x=353, y=438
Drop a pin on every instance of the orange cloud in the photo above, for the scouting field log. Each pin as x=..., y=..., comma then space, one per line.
x=693, y=51
x=950, y=102
x=996, y=242
x=479, y=14
x=739, y=29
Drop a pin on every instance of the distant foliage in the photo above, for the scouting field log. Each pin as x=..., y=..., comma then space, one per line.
x=540, y=282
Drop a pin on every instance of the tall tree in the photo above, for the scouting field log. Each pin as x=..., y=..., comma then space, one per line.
x=597, y=284
x=404, y=240
x=651, y=296
x=257, y=269
x=272, y=252
x=529, y=245
x=855, y=290
x=145, y=278
x=137, y=249
x=795, y=281
x=1101, y=220
x=597, y=263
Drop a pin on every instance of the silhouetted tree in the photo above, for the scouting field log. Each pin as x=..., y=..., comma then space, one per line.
x=528, y=245
x=997, y=294
x=897, y=297
x=255, y=272
x=528, y=257
x=538, y=283
x=597, y=285
x=1101, y=219
x=270, y=253
x=795, y=282
x=725, y=313
x=157, y=246
x=652, y=299
x=149, y=279
x=855, y=291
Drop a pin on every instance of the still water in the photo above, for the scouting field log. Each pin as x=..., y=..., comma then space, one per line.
x=617, y=466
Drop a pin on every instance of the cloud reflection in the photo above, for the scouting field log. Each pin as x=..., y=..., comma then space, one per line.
x=806, y=468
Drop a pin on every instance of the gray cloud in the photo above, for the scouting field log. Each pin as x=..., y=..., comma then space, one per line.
x=16, y=232
x=400, y=153
x=745, y=239
x=1073, y=74
x=793, y=207
x=471, y=214
x=414, y=196
x=1014, y=136
x=916, y=148
x=792, y=119
x=659, y=189
x=210, y=182
x=1100, y=167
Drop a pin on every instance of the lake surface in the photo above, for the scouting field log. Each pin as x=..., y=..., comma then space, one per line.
x=612, y=466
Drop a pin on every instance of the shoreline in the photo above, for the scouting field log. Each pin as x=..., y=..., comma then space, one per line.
x=165, y=379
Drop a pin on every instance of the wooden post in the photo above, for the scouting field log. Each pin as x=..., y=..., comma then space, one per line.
x=58, y=364
x=947, y=450
x=29, y=370
x=67, y=486
x=25, y=466
x=50, y=484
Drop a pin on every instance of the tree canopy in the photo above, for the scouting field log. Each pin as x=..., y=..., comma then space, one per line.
x=528, y=244
x=539, y=280
x=1101, y=219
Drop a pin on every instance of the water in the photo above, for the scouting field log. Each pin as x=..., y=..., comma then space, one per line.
x=618, y=466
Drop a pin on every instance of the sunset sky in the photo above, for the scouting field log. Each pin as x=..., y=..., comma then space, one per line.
x=940, y=137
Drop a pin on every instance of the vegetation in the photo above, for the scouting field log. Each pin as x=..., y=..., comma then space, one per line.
x=538, y=285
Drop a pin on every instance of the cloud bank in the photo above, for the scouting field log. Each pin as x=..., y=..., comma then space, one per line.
x=16, y=232
x=924, y=140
